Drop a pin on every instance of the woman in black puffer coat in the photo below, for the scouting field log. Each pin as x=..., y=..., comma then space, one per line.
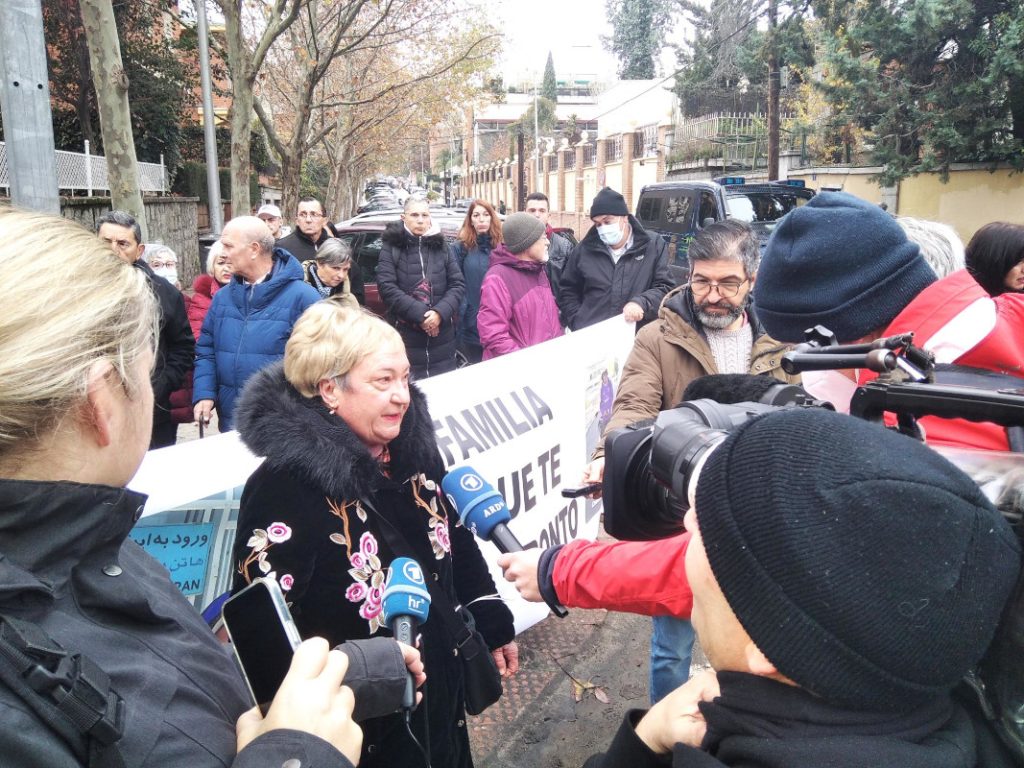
x=418, y=278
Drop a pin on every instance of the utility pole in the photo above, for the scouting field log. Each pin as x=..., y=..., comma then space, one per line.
x=521, y=172
x=773, y=90
x=536, y=145
x=209, y=125
x=25, y=104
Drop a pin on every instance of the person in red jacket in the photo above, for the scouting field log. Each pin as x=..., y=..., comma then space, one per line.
x=218, y=273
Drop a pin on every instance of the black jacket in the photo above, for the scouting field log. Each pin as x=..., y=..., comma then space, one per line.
x=332, y=551
x=559, y=248
x=61, y=545
x=176, y=347
x=761, y=723
x=416, y=274
x=304, y=249
x=593, y=288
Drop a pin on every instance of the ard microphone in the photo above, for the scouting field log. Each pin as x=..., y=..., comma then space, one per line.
x=406, y=603
x=483, y=511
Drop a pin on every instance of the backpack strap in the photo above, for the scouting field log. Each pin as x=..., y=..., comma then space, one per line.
x=67, y=691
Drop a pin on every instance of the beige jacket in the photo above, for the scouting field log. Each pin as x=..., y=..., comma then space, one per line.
x=669, y=353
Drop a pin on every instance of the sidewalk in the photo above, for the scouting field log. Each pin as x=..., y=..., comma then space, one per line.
x=598, y=656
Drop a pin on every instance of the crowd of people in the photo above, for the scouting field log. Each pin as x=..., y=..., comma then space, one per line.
x=840, y=578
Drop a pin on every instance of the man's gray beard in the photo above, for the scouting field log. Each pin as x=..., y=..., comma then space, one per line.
x=721, y=322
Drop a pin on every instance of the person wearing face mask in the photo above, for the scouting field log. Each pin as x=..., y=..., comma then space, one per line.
x=164, y=263
x=618, y=267
x=481, y=231
x=517, y=309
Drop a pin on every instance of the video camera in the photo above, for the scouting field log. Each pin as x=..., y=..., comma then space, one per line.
x=651, y=466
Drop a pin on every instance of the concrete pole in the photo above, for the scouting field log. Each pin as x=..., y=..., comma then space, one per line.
x=25, y=105
x=209, y=126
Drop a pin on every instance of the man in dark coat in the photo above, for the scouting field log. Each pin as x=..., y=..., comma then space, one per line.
x=618, y=267
x=176, y=344
x=845, y=578
x=559, y=245
x=422, y=287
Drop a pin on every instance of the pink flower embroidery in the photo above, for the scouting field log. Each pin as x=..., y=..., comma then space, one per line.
x=368, y=544
x=278, y=532
x=286, y=582
x=358, y=560
x=439, y=537
x=356, y=592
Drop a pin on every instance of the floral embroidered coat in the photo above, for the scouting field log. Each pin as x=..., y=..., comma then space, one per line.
x=302, y=521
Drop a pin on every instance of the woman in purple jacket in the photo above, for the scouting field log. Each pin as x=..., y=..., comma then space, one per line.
x=517, y=308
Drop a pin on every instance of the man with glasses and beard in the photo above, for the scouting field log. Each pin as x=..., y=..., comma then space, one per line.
x=705, y=326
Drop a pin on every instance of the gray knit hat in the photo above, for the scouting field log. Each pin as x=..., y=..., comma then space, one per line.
x=841, y=262
x=867, y=568
x=521, y=230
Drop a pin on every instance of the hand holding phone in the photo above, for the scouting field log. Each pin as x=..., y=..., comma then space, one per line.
x=311, y=699
x=264, y=637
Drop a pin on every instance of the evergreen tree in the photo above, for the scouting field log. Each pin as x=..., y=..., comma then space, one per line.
x=549, y=86
x=639, y=29
x=933, y=82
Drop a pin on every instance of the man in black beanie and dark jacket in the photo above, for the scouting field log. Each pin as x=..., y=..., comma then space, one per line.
x=844, y=579
x=618, y=267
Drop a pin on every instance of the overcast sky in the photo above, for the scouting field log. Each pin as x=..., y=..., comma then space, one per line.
x=570, y=29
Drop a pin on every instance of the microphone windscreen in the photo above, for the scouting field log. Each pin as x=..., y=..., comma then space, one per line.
x=730, y=388
x=479, y=505
x=405, y=591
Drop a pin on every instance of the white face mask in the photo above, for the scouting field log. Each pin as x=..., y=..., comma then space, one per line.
x=610, y=234
x=170, y=274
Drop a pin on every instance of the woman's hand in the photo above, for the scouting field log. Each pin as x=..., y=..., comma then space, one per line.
x=594, y=473
x=507, y=659
x=676, y=719
x=311, y=699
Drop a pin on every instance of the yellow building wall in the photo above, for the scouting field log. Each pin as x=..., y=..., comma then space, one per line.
x=570, y=191
x=856, y=183
x=589, y=187
x=613, y=177
x=971, y=199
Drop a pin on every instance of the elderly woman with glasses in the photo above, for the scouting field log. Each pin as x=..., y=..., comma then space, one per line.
x=351, y=482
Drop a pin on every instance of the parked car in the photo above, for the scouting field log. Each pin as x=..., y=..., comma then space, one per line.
x=677, y=210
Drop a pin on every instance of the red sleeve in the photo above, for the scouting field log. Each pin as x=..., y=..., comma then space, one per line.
x=645, y=577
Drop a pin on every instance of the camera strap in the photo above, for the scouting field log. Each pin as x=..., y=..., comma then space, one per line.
x=67, y=691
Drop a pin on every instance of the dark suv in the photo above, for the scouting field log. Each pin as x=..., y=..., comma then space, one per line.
x=677, y=210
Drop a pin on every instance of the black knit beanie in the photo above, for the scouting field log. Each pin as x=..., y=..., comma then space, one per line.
x=841, y=262
x=608, y=202
x=867, y=568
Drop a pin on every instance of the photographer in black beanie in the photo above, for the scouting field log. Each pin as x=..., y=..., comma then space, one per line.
x=844, y=579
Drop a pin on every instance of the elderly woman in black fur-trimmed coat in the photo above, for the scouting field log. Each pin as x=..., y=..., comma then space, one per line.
x=350, y=459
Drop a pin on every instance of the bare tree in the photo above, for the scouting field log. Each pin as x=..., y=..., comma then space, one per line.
x=251, y=27
x=111, y=86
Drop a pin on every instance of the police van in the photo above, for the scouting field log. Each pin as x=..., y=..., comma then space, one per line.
x=677, y=210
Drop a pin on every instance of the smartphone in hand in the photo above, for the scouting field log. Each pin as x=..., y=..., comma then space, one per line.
x=263, y=636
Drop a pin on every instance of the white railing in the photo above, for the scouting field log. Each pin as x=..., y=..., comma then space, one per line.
x=85, y=172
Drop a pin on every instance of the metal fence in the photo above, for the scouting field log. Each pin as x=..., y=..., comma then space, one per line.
x=84, y=172
x=570, y=160
x=589, y=155
x=613, y=149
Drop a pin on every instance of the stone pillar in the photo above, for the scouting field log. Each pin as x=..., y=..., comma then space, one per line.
x=546, y=188
x=560, y=205
x=601, y=144
x=627, y=168
x=578, y=191
x=663, y=133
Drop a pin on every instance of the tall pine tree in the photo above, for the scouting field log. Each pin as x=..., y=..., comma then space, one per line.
x=549, y=86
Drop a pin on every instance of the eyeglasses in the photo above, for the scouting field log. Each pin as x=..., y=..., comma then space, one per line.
x=309, y=215
x=726, y=289
x=160, y=263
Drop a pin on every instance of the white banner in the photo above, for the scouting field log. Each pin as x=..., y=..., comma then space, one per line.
x=527, y=422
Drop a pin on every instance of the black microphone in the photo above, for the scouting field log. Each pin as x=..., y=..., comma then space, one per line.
x=483, y=511
x=405, y=604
